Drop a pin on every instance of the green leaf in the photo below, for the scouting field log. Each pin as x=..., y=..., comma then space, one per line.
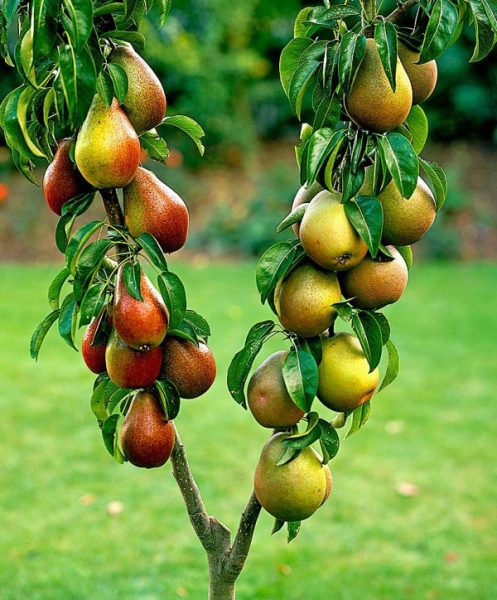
x=135, y=38
x=290, y=58
x=321, y=146
x=288, y=456
x=444, y=18
x=78, y=242
x=300, y=373
x=302, y=440
x=273, y=266
x=165, y=8
x=132, y=279
x=369, y=334
x=169, y=398
x=56, y=287
x=154, y=145
x=185, y=331
x=407, y=255
x=91, y=258
x=153, y=250
x=198, y=323
x=366, y=215
x=393, y=365
x=80, y=24
x=109, y=433
x=301, y=29
x=9, y=8
x=438, y=181
x=23, y=106
x=417, y=123
x=294, y=217
x=97, y=402
x=351, y=53
x=105, y=88
x=43, y=13
x=188, y=126
x=330, y=442
x=383, y=325
x=174, y=295
x=293, y=530
x=359, y=417
x=278, y=524
x=40, y=333
x=485, y=23
x=385, y=36
x=401, y=161
x=304, y=73
x=67, y=320
x=329, y=16
x=11, y=126
x=119, y=81
x=242, y=361
x=344, y=310
x=92, y=303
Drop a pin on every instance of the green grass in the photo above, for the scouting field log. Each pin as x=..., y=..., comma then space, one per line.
x=367, y=542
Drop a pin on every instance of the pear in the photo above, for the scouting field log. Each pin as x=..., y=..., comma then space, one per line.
x=423, y=77
x=145, y=102
x=406, y=220
x=268, y=398
x=371, y=102
x=304, y=299
x=150, y=205
x=344, y=378
x=130, y=368
x=93, y=354
x=304, y=195
x=62, y=181
x=140, y=324
x=327, y=235
x=329, y=484
x=192, y=370
x=107, y=148
x=295, y=490
x=147, y=437
x=374, y=283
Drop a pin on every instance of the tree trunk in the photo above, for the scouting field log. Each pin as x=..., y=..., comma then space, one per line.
x=219, y=588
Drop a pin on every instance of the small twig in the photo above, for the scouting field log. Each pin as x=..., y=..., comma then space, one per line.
x=400, y=10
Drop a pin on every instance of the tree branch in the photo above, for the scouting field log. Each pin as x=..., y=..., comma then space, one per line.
x=112, y=207
x=400, y=10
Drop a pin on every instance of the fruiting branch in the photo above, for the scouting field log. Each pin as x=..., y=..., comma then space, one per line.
x=401, y=9
x=112, y=207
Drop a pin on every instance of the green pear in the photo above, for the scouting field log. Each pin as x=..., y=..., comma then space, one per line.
x=304, y=299
x=423, y=77
x=62, y=181
x=374, y=283
x=129, y=368
x=147, y=437
x=150, y=205
x=107, y=148
x=344, y=378
x=295, y=490
x=139, y=323
x=406, y=220
x=327, y=235
x=304, y=195
x=267, y=396
x=371, y=102
x=145, y=102
x=190, y=368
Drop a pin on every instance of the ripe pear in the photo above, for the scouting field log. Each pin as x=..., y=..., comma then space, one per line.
x=62, y=181
x=374, y=283
x=140, y=324
x=192, y=370
x=268, y=398
x=305, y=194
x=290, y=492
x=371, y=102
x=147, y=437
x=93, y=354
x=423, y=77
x=130, y=368
x=327, y=235
x=344, y=378
x=150, y=205
x=145, y=102
x=304, y=299
x=107, y=148
x=406, y=220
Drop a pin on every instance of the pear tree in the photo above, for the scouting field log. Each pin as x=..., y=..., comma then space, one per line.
x=91, y=108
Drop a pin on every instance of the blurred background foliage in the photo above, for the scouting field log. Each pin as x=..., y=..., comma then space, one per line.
x=218, y=61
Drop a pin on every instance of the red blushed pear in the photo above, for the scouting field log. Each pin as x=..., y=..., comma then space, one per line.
x=151, y=206
x=93, y=354
x=62, y=180
x=130, y=368
x=140, y=324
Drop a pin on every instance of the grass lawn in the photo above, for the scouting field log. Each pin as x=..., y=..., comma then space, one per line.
x=434, y=428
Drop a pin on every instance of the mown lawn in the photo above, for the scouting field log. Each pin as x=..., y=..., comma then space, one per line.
x=435, y=428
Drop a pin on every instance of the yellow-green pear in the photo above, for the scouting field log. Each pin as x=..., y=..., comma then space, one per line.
x=304, y=300
x=107, y=148
x=295, y=490
x=145, y=102
x=328, y=236
x=267, y=396
x=406, y=220
x=374, y=283
x=423, y=77
x=371, y=102
x=344, y=378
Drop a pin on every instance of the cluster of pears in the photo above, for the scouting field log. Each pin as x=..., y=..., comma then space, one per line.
x=107, y=154
x=337, y=265
x=137, y=349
